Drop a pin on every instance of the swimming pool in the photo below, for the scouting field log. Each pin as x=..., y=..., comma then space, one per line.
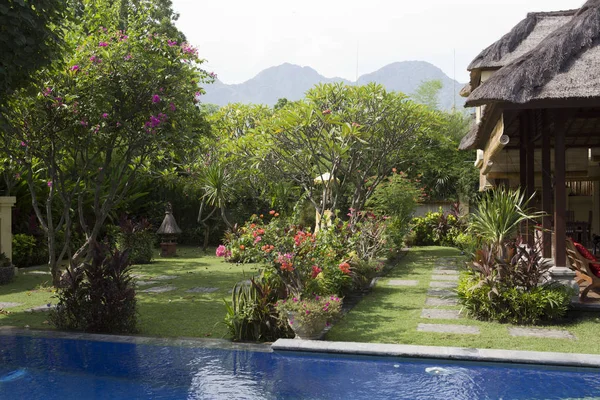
x=50, y=368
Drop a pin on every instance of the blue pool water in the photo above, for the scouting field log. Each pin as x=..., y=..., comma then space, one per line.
x=40, y=368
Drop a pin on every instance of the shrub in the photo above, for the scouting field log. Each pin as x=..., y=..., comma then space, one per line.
x=513, y=304
x=24, y=247
x=309, y=310
x=397, y=197
x=98, y=296
x=139, y=238
x=7, y=270
x=437, y=228
x=506, y=286
x=251, y=315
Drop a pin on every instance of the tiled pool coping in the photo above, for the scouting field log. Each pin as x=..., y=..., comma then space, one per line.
x=435, y=352
x=316, y=346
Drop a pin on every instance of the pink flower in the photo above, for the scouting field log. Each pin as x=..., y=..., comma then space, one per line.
x=221, y=251
x=213, y=75
x=172, y=43
x=258, y=239
x=49, y=183
x=83, y=122
x=172, y=107
x=102, y=44
x=23, y=144
x=105, y=115
x=155, y=98
x=47, y=91
x=118, y=124
x=75, y=68
x=127, y=57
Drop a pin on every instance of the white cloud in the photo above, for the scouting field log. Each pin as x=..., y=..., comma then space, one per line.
x=239, y=38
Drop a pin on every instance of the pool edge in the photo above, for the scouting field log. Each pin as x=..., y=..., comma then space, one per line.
x=439, y=352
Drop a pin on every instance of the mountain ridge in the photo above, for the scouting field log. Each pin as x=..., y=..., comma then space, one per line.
x=292, y=81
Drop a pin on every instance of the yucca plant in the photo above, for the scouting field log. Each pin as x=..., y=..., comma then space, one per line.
x=499, y=215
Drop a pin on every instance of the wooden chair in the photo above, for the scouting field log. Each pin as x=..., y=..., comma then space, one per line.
x=583, y=269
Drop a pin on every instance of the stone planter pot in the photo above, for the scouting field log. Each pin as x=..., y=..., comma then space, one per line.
x=7, y=274
x=312, y=331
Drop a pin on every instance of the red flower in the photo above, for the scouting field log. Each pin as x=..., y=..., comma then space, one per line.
x=315, y=271
x=345, y=268
x=242, y=247
x=272, y=212
x=326, y=112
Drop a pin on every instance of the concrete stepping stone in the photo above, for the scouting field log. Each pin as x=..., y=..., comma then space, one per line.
x=402, y=282
x=541, y=333
x=162, y=277
x=450, y=267
x=443, y=328
x=441, y=293
x=444, y=271
x=444, y=285
x=145, y=283
x=160, y=289
x=202, y=290
x=437, y=301
x=42, y=308
x=453, y=278
x=8, y=304
x=38, y=273
x=436, y=313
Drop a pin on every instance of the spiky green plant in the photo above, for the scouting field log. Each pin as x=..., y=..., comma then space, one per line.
x=499, y=215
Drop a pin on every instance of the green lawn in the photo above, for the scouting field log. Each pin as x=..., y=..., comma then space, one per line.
x=171, y=314
x=390, y=314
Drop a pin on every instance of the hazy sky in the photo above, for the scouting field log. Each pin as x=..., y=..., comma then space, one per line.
x=239, y=38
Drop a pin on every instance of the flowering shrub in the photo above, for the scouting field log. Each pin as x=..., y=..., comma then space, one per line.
x=309, y=263
x=307, y=311
x=437, y=228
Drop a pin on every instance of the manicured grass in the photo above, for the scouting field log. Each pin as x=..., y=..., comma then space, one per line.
x=171, y=314
x=390, y=314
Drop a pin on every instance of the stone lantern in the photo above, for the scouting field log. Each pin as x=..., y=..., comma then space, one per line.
x=168, y=232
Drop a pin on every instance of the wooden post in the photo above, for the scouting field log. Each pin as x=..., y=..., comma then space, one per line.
x=560, y=201
x=546, y=190
x=530, y=174
x=523, y=162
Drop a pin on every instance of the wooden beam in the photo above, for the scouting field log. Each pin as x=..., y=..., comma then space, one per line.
x=522, y=152
x=569, y=176
x=560, y=200
x=529, y=149
x=494, y=145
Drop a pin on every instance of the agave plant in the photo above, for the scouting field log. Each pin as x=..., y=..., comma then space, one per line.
x=499, y=215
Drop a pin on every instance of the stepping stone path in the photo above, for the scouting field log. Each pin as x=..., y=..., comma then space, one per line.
x=443, y=328
x=445, y=285
x=541, y=333
x=400, y=282
x=434, y=313
x=9, y=305
x=443, y=271
x=162, y=277
x=202, y=290
x=160, y=289
x=145, y=283
x=38, y=273
x=437, y=301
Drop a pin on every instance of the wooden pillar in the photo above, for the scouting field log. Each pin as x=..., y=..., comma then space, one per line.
x=530, y=169
x=546, y=189
x=522, y=152
x=560, y=201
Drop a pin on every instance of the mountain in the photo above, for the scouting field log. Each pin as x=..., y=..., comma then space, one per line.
x=292, y=81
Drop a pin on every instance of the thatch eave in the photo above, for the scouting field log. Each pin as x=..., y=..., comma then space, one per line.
x=524, y=79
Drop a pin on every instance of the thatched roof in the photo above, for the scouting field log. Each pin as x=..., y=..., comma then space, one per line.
x=564, y=65
x=169, y=226
x=524, y=37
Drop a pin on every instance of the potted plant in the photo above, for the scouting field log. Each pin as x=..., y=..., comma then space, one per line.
x=308, y=317
x=7, y=269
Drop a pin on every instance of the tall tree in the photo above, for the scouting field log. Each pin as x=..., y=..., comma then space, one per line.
x=123, y=99
x=428, y=93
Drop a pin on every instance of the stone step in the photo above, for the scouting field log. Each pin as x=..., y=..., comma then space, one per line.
x=160, y=289
x=443, y=271
x=444, y=285
x=441, y=293
x=541, y=333
x=436, y=313
x=453, y=278
x=437, y=301
x=445, y=328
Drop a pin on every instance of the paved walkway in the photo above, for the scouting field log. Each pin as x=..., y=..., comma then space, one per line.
x=441, y=309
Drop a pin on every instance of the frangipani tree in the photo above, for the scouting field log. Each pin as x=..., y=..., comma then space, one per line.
x=123, y=98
